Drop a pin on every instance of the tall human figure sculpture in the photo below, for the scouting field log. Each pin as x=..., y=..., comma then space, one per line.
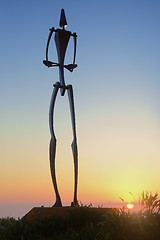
x=62, y=38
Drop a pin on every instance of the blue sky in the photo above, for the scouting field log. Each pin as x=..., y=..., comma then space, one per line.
x=116, y=88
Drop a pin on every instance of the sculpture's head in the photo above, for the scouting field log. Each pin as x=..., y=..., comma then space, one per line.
x=63, y=21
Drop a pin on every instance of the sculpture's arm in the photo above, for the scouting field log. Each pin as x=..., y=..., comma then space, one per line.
x=46, y=62
x=75, y=46
x=70, y=67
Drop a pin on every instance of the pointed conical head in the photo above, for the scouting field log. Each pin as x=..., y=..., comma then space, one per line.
x=63, y=21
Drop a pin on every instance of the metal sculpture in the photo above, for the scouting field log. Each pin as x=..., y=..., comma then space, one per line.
x=61, y=40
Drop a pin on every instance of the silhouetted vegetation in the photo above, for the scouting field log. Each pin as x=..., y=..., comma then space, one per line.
x=86, y=223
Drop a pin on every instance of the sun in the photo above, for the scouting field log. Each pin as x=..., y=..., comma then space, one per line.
x=130, y=205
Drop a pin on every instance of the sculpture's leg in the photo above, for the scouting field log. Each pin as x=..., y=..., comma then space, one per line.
x=52, y=150
x=74, y=143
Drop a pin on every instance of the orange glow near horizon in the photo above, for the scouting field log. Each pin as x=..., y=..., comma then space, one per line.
x=122, y=158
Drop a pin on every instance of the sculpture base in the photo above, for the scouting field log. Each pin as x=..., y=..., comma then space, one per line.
x=40, y=213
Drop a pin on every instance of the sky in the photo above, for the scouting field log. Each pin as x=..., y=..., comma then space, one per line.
x=117, y=101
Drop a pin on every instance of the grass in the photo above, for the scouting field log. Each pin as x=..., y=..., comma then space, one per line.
x=84, y=223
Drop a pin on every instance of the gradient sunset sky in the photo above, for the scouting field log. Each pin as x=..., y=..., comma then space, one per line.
x=117, y=99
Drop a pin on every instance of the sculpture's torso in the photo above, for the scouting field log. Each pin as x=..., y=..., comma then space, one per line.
x=61, y=39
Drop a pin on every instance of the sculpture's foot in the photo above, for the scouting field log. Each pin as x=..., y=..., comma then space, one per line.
x=57, y=204
x=74, y=204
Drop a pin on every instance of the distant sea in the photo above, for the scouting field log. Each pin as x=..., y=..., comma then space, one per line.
x=19, y=210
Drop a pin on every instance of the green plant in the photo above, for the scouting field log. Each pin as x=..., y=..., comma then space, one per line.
x=12, y=229
x=87, y=223
x=150, y=202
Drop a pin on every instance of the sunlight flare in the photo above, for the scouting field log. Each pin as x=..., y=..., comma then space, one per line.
x=130, y=205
